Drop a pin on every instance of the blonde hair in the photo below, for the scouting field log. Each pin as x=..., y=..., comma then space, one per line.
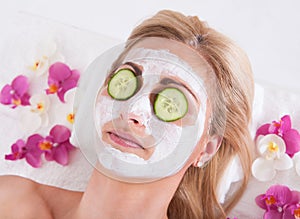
x=196, y=195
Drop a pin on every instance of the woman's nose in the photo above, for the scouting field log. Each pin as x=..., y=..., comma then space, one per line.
x=137, y=120
x=139, y=114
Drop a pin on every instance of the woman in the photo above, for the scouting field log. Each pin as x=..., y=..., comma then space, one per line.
x=214, y=85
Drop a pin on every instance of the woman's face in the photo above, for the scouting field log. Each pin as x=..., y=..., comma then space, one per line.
x=152, y=107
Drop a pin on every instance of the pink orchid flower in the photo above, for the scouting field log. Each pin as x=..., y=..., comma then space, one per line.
x=61, y=79
x=277, y=200
x=18, y=150
x=57, y=145
x=283, y=128
x=293, y=211
x=17, y=93
x=29, y=150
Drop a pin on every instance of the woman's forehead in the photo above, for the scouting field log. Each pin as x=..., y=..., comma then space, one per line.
x=178, y=52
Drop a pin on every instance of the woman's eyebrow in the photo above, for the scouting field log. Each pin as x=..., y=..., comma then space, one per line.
x=137, y=69
x=165, y=81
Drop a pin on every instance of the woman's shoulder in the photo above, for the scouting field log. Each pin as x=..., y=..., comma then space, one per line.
x=24, y=198
x=19, y=198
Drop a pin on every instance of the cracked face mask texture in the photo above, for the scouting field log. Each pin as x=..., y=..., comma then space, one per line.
x=148, y=116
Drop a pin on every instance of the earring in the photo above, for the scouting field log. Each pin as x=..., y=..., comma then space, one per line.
x=205, y=157
x=200, y=163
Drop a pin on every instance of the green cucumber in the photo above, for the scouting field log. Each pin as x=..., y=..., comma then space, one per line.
x=122, y=85
x=170, y=105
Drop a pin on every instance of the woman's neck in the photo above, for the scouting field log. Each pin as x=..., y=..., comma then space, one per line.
x=108, y=198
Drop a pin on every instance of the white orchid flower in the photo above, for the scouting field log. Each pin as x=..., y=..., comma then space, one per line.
x=39, y=103
x=36, y=115
x=62, y=113
x=43, y=55
x=271, y=149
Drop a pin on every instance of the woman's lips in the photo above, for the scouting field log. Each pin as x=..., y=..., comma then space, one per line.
x=124, y=140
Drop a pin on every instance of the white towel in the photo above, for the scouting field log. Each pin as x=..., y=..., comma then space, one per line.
x=79, y=48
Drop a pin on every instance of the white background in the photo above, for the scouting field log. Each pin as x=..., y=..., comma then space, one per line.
x=268, y=30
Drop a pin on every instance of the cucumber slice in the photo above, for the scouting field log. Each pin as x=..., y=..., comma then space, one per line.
x=122, y=85
x=170, y=105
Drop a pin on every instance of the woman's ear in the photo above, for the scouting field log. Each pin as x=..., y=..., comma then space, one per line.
x=213, y=144
x=209, y=151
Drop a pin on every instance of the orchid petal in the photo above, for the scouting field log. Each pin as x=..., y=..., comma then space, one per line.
x=286, y=123
x=298, y=168
x=60, y=133
x=33, y=140
x=61, y=95
x=10, y=157
x=61, y=155
x=68, y=84
x=20, y=143
x=292, y=141
x=67, y=114
x=73, y=140
x=57, y=58
x=49, y=138
x=297, y=163
x=53, y=81
x=19, y=146
x=39, y=103
x=40, y=65
x=260, y=201
x=34, y=161
x=5, y=96
x=33, y=155
x=272, y=214
x=44, y=119
x=49, y=155
x=16, y=148
x=71, y=82
x=29, y=121
x=295, y=197
x=289, y=212
x=46, y=47
x=282, y=194
x=284, y=163
x=274, y=127
x=64, y=117
x=59, y=71
x=70, y=96
x=20, y=84
x=68, y=145
x=262, y=130
x=263, y=169
x=25, y=99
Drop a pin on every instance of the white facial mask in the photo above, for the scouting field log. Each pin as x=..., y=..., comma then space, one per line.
x=172, y=144
x=166, y=134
